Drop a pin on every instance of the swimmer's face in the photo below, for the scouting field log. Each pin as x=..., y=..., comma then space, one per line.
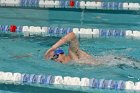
x=58, y=58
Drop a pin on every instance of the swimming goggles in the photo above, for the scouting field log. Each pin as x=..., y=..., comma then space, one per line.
x=55, y=56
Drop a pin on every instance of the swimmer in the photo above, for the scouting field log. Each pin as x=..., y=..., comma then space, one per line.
x=74, y=52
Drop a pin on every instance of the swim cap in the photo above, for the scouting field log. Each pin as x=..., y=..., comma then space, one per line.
x=58, y=51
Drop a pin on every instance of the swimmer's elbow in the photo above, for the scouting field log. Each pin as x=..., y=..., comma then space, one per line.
x=72, y=36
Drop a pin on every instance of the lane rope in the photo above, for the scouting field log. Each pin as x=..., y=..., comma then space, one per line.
x=70, y=4
x=18, y=78
x=60, y=31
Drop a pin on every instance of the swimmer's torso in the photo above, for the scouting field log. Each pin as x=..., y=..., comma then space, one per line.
x=76, y=54
x=79, y=54
x=81, y=57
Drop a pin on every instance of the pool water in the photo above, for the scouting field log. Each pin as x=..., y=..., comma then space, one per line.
x=106, y=49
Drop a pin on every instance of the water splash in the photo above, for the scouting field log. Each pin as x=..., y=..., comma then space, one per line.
x=112, y=60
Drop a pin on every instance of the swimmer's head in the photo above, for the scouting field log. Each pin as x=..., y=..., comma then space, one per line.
x=58, y=55
x=58, y=51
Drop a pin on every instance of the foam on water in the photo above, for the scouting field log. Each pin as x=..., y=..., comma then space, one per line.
x=111, y=60
x=108, y=60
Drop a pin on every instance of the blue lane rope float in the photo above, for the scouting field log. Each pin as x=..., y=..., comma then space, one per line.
x=4, y=28
x=66, y=4
x=112, y=5
x=18, y=78
x=60, y=31
x=35, y=79
x=115, y=33
x=29, y=3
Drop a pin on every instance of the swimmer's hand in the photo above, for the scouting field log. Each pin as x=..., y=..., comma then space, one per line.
x=49, y=54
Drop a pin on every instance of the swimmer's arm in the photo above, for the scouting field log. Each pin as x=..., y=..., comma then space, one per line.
x=70, y=37
x=67, y=38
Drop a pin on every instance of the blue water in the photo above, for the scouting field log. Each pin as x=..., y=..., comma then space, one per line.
x=104, y=49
